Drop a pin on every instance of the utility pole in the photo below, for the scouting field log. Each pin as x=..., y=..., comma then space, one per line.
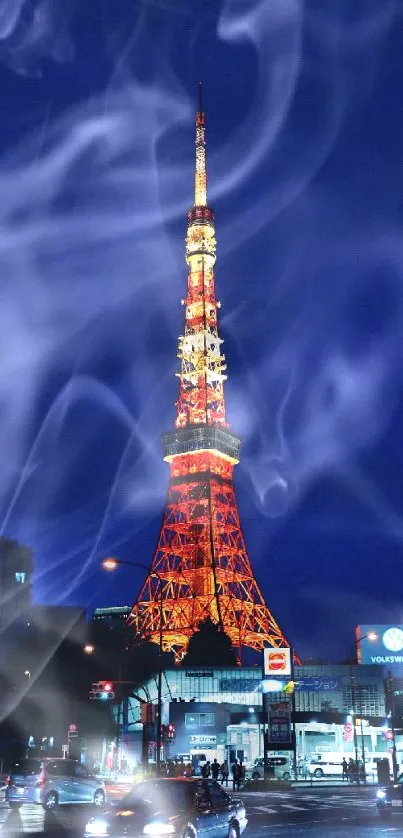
x=111, y=564
x=391, y=692
x=352, y=687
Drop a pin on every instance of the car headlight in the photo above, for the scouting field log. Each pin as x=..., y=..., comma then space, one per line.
x=381, y=794
x=155, y=829
x=97, y=827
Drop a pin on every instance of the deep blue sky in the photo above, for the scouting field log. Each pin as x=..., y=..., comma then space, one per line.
x=305, y=139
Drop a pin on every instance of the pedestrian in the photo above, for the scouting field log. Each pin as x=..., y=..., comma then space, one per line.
x=215, y=769
x=351, y=770
x=344, y=766
x=235, y=775
x=205, y=770
x=188, y=769
x=224, y=773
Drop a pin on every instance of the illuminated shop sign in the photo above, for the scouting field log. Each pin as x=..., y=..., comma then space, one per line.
x=318, y=685
x=277, y=661
x=385, y=648
x=279, y=733
x=199, y=674
x=240, y=685
x=202, y=739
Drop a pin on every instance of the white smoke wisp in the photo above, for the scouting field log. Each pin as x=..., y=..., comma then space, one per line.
x=312, y=402
x=34, y=30
x=88, y=269
x=277, y=30
x=338, y=394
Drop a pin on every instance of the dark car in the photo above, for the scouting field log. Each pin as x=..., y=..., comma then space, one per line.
x=187, y=808
x=390, y=798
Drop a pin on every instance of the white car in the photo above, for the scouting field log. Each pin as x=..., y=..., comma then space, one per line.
x=278, y=767
x=325, y=767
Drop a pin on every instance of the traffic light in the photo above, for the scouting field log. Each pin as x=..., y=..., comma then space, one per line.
x=171, y=733
x=102, y=690
x=107, y=692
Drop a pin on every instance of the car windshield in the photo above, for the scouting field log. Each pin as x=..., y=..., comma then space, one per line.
x=161, y=796
x=26, y=767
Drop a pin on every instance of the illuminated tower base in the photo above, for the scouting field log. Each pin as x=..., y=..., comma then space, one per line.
x=201, y=558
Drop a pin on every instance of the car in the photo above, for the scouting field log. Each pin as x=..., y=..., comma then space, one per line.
x=279, y=767
x=188, y=808
x=50, y=782
x=325, y=767
x=389, y=798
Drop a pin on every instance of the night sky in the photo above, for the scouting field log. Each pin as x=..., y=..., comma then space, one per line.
x=305, y=146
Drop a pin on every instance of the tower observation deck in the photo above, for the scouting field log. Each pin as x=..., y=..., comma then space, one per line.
x=201, y=560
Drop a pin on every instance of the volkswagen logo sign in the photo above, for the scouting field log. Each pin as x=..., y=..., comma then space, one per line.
x=393, y=639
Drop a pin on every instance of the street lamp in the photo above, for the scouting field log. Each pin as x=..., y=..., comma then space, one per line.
x=371, y=635
x=88, y=649
x=111, y=564
x=28, y=674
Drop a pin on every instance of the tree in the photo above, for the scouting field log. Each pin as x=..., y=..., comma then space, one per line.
x=210, y=646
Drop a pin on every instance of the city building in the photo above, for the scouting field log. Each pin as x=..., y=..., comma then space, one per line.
x=222, y=713
x=108, y=619
x=15, y=582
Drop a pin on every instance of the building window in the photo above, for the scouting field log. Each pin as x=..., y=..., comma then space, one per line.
x=19, y=577
x=367, y=700
x=199, y=719
x=207, y=719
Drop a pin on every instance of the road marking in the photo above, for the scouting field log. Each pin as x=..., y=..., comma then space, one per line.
x=266, y=810
x=295, y=808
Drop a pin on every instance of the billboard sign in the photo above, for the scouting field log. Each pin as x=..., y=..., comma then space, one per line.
x=387, y=648
x=317, y=685
x=277, y=661
x=279, y=733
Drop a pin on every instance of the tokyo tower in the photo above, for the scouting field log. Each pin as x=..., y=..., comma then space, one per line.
x=201, y=567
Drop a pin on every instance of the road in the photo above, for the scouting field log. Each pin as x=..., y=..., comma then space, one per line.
x=303, y=813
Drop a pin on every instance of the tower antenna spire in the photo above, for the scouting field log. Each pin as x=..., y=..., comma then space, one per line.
x=200, y=171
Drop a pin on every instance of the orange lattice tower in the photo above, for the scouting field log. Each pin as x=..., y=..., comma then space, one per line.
x=201, y=560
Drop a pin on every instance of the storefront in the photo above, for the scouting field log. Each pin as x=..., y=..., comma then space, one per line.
x=219, y=713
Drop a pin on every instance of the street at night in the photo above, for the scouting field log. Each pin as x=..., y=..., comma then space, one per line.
x=307, y=812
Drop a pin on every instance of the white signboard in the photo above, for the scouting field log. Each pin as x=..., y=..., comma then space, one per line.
x=277, y=661
x=202, y=739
